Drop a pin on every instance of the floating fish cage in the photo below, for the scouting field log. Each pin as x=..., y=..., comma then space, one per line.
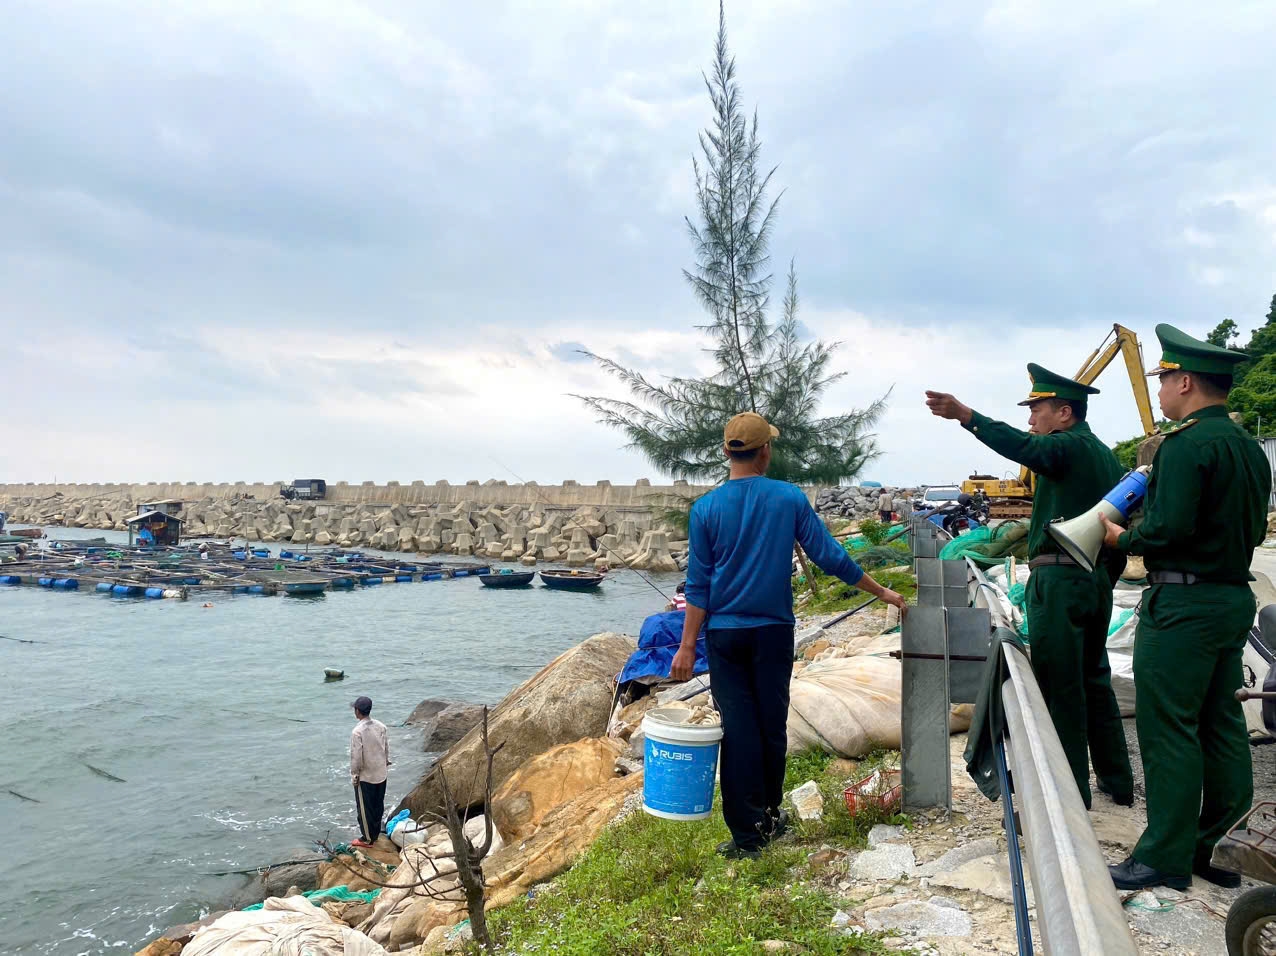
x=183, y=571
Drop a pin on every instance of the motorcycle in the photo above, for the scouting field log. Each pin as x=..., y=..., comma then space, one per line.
x=1250, y=847
x=961, y=514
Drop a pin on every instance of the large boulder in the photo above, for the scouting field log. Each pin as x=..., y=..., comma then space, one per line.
x=299, y=869
x=549, y=780
x=566, y=833
x=444, y=722
x=566, y=700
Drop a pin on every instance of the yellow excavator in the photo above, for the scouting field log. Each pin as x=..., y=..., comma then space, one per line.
x=1012, y=497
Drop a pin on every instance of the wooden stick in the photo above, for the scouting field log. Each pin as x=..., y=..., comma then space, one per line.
x=806, y=570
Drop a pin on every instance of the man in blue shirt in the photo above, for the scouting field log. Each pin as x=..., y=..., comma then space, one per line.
x=739, y=580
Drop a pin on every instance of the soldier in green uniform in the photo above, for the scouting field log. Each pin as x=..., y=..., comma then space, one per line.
x=1069, y=608
x=1205, y=511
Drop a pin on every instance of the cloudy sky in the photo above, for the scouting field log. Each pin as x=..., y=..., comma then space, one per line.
x=247, y=241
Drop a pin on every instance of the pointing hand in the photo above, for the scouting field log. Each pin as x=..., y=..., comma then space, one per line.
x=946, y=406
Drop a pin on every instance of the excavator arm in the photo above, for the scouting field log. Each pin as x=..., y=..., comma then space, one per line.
x=1122, y=340
x=1127, y=343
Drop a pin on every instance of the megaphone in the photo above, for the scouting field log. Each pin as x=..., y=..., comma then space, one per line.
x=1082, y=537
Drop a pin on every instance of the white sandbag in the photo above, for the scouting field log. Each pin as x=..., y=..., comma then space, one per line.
x=1121, y=657
x=409, y=832
x=850, y=706
x=1254, y=663
x=475, y=829
x=847, y=706
x=282, y=927
x=430, y=861
x=1125, y=597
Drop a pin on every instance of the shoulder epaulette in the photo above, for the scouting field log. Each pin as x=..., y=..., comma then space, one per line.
x=1175, y=429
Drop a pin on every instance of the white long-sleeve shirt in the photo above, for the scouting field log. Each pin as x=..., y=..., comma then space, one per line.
x=369, y=752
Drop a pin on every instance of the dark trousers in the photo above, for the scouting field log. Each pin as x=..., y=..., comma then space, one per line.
x=369, y=805
x=885, y=516
x=1069, y=611
x=750, y=669
x=1187, y=669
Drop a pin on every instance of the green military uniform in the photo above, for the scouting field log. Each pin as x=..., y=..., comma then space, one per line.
x=1205, y=511
x=1069, y=608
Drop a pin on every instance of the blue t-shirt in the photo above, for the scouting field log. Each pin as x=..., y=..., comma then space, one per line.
x=740, y=564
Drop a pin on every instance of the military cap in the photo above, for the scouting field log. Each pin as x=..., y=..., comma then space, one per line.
x=1182, y=353
x=1048, y=384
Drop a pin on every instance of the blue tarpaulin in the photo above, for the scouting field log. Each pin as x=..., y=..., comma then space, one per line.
x=657, y=643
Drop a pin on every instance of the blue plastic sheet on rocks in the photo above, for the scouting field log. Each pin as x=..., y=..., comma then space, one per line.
x=658, y=641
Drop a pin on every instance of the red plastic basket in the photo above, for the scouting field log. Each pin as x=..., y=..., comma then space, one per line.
x=881, y=790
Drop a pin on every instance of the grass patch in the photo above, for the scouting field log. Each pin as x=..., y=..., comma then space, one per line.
x=838, y=827
x=650, y=886
x=835, y=596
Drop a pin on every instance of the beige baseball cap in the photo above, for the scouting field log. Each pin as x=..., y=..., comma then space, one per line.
x=747, y=431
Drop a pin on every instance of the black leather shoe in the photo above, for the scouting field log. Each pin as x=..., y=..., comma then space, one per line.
x=1122, y=801
x=733, y=852
x=779, y=825
x=1224, y=878
x=1133, y=875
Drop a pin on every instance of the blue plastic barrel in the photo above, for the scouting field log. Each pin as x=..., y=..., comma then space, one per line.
x=66, y=584
x=256, y=589
x=239, y=555
x=678, y=765
x=343, y=582
x=241, y=589
x=403, y=577
x=287, y=554
x=261, y=553
x=45, y=582
x=120, y=590
x=10, y=579
x=154, y=592
x=103, y=587
x=437, y=576
x=370, y=581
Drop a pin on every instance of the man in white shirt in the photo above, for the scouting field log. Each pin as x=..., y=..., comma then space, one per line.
x=885, y=506
x=369, y=766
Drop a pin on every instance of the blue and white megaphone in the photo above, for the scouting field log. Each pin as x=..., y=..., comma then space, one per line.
x=1082, y=537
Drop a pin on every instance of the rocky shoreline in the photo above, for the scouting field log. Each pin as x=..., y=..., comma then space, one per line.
x=555, y=787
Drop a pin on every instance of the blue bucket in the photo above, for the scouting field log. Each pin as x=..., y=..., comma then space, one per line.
x=679, y=763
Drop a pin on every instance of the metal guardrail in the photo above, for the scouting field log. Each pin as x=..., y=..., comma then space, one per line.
x=1078, y=909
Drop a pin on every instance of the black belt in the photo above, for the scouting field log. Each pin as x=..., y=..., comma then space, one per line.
x=1052, y=560
x=1173, y=577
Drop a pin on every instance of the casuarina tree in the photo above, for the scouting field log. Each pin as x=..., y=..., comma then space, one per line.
x=761, y=364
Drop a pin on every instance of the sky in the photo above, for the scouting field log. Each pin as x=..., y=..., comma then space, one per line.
x=367, y=240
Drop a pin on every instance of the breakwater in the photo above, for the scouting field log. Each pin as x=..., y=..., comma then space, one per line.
x=602, y=524
x=632, y=534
